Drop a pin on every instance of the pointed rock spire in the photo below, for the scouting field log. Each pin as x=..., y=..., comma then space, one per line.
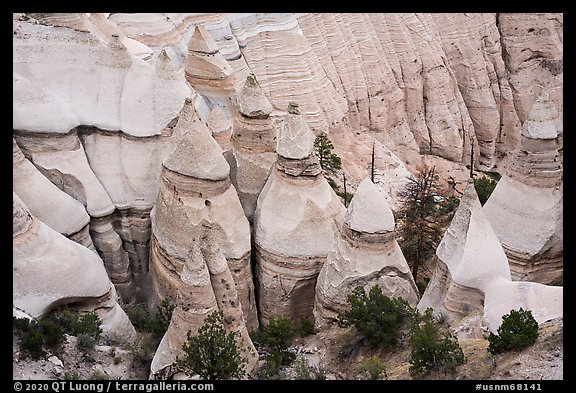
x=470, y=248
x=202, y=42
x=543, y=121
x=251, y=100
x=196, y=154
x=295, y=138
x=369, y=210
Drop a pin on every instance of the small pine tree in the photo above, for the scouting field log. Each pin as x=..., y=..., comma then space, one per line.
x=430, y=350
x=329, y=161
x=420, y=218
x=162, y=318
x=517, y=331
x=375, y=315
x=212, y=354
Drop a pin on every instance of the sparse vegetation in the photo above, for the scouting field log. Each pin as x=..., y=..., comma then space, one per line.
x=432, y=350
x=517, y=331
x=156, y=324
x=49, y=331
x=375, y=315
x=98, y=375
x=85, y=342
x=306, y=327
x=420, y=218
x=213, y=353
x=329, y=161
x=484, y=186
x=305, y=371
x=373, y=368
x=71, y=376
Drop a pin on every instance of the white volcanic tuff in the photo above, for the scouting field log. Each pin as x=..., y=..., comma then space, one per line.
x=47, y=202
x=203, y=285
x=530, y=196
x=295, y=225
x=533, y=50
x=194, y=191
x=470, y=248
x=295, y=140
x=369, y=211
x=50, y=270
x=471, y=43
x=366, y=255
x=220, y=127
x=87, y=83
x=204, y=59
x=253, y=144
x=472, y=273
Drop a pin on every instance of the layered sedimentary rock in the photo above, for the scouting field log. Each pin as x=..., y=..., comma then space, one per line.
x=253, y=144
x=533, y=50
x=367, y=255
x=221, y=129
x=207, y=70
x=526, y=207
x=295, y=225
x=49, y=270
x=199, y=285
x=195, y=187
x=474, y=54
x=472, y=273
x=94, y=119
x=55, y=208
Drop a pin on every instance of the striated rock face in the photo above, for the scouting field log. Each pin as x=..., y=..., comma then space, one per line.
x=526, y=207
x=253, y=144
x=472, y=273
x=533, y=51
x=199, y=285
x=195, y=187
x=207, y=70
x=49, y=270
x=295, y=225
x=94, y=119
x=367, y=254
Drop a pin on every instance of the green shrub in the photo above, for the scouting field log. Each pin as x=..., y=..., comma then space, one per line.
x=140, y=318
x=213, y=353
x=89, y=324
x=162, y=318
x=53, y=333
x=20, y=325
x=373, y=368
x=430, y=350
x=156, y=324
x=279, y=333
x=34, y=336
x=98, y=375
x=484, y=187
x=85, y=342
x=117, y=359
x=375, y=315
x=306, y=327
x=71, y=376
x=32, y=341
x=517, y=331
